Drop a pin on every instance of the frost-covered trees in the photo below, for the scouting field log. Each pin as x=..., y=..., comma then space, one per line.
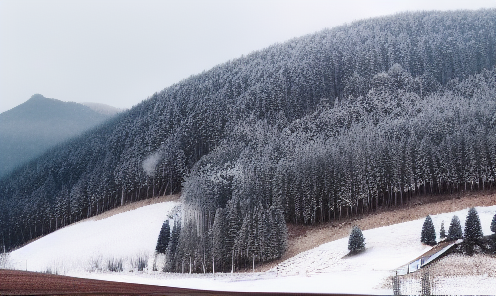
x=317, y=128
x=428, y=234
x=356, y=241
x=442, y=232
x=473, y=229
x=163, y=238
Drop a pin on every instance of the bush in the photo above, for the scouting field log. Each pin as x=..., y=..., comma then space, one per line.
x=455, y=230
x=114, y=265
x=428, y=235
x=356, y=242
x=140, y=263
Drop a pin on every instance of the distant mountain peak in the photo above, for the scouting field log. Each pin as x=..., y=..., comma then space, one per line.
x=37, y=96
x=29, y=129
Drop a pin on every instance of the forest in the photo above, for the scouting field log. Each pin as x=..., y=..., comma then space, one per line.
x=329, y=125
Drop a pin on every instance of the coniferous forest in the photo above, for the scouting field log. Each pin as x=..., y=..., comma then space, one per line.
x=329, y=125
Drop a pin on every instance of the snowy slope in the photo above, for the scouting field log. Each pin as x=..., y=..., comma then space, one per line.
x=324, y=269
x=90, y=244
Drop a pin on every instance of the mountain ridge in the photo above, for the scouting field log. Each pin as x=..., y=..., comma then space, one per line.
x=34, y=126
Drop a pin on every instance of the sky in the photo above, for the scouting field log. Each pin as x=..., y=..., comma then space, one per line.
x=119, y=52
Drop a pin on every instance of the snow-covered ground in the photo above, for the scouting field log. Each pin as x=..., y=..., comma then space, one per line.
x=90, y=244
x=76, y=249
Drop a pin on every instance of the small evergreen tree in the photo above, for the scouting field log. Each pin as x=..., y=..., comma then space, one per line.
x=428, y=235
x=473, y=229
x=163, y=238
x=442, y=232
x=356, y=242
x=455, y=229
x=493, y=224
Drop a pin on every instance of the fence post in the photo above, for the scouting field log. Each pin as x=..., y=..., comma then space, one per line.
x=426, y=283
x=396, y=285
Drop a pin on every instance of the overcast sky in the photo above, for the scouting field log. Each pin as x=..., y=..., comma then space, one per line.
x=120, y=52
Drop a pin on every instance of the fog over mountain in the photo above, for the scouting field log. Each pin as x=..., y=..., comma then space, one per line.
x=103, y=108
x=31, y=128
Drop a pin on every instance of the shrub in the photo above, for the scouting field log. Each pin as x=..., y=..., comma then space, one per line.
x=140, y=263
x=356, y=242
x=114, y=265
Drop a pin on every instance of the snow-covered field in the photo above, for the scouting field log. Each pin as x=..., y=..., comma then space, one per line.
x=90, y=244
x=84, y=249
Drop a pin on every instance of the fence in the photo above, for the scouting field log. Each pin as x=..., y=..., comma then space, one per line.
x=417, y=283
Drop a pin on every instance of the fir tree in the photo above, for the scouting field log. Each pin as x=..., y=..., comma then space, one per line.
x=455, y=229
x=356, y=242
x=163, y=238
x=442, y=232
x=493, y=224
x=428, y=235
x=473, y=229
x=170, y=252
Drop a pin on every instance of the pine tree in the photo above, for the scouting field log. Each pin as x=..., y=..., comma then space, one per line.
x=493, y=224
x=170, y=264
x=356, y=241
x=428, y=235
x=442, y=232
x=163, y=238
x=473, y=229
x=455, y=229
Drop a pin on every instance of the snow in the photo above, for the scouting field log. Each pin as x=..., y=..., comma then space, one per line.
x=89, y=244
x=324, y=269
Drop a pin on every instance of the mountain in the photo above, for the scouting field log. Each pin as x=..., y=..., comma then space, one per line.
x=38, y=124
x=342, y=122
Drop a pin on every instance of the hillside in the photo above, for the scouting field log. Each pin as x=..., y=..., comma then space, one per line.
x=306, y=237
x=91, y=244
x=38, y=124
x=358, y=118
x=85, y=249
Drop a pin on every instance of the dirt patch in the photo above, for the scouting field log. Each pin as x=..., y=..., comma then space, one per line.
x=136, y=205
x=306, y=237
x=13, y=282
